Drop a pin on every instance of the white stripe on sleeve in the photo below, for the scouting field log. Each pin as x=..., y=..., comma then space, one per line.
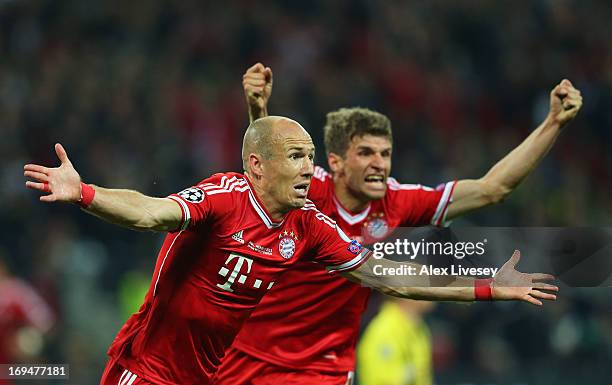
x=186, y=213
x=365, y=254
x=439, y=217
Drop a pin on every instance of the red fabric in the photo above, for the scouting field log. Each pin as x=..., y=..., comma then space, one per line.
x=239, y=368
x=20, y=305
x=87, y=195
x=483, y=290
x=310, y=319
x=210, y=275
x=115, y=374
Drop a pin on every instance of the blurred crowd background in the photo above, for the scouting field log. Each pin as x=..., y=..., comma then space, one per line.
x=147, y=95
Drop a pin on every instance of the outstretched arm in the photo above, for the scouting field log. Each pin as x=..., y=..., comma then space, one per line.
x=122, y=207
x=504, y=177
x=508, y=284
x=257, y=85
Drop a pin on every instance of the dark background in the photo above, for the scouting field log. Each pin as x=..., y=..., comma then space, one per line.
x=147, y=95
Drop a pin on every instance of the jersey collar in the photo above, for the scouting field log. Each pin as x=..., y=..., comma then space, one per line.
x=349, y=217
x=260, y=208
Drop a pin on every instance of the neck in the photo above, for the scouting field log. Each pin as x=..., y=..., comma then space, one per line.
x=274, y=209
x=347, y=198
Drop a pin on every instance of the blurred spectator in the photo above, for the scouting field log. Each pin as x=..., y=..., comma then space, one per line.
x=395, y=348
x=25, y=318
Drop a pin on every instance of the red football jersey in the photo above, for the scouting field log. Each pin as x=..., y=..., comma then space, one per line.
x=212, y=272
x=310, y=320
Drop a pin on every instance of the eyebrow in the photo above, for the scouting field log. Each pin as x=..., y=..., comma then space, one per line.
x=298, y=148
x=370, y=148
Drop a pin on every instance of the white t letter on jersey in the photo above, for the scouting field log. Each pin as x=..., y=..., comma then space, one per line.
x=223, y=271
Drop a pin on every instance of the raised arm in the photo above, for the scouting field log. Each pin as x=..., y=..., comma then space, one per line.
x=257, y=85
x=508, y=284
x=122, y=207
x=504, y=177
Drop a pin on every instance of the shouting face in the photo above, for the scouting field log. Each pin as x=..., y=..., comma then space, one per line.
x=364, y=169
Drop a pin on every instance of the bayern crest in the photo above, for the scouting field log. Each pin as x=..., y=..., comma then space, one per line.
x=286, y=245
x=377, y=228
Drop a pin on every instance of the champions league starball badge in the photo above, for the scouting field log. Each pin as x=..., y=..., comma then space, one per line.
x=193, y=194
x=286, y=245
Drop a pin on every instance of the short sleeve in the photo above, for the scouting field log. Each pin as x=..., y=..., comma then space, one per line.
x=208, y=198
x=194, y=205
x=331, y=246
x=420, y=205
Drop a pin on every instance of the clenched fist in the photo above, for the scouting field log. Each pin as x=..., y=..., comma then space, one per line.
x=257, y=84
x=565, y=102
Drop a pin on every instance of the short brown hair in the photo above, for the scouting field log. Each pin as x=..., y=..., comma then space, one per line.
x=346, y=123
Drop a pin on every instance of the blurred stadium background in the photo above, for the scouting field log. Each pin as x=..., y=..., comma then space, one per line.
x=147, y=95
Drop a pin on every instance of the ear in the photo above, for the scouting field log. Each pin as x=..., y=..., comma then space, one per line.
x=335, y=162
x=255, y=165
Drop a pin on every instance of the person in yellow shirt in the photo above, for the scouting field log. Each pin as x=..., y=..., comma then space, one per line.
x=395, y=348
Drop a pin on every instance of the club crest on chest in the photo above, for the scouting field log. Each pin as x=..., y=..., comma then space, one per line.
x=286, y=245
x=376, y=226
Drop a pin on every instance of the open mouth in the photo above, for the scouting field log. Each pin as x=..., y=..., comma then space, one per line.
x=301, y=189
x=375, y=181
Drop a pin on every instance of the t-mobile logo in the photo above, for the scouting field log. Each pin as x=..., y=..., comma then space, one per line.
x=224, y=271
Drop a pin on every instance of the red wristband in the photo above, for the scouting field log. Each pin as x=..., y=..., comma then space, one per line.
x=87, y=195
x=483, y=290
